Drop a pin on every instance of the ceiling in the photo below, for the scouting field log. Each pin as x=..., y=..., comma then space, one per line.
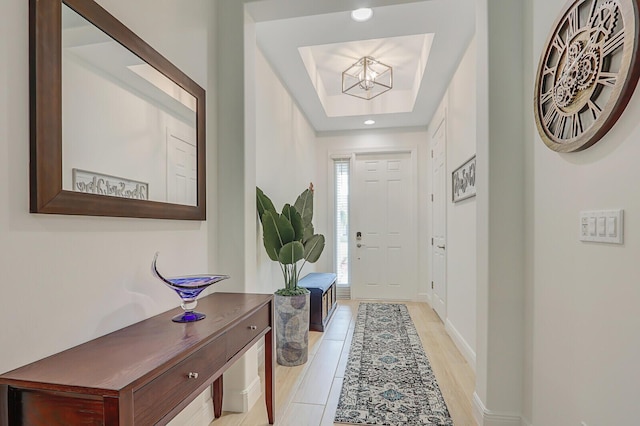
x=309, y=43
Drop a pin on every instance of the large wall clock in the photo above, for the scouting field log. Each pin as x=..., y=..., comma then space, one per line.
x=587, y=73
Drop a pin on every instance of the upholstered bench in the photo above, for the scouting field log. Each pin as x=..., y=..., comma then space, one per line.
x=322, y=286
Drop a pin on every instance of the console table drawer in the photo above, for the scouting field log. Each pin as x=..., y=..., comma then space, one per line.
x=154, y=400
x=247, y=330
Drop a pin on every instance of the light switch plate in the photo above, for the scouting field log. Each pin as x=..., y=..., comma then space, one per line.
x=602, y=226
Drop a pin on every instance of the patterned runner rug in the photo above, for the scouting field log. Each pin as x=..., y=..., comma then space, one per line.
x=388, y=380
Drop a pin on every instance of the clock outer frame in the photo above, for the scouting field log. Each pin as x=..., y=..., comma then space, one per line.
x=621, y=93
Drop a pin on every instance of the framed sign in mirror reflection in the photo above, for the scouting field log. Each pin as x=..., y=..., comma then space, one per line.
x=97, y=183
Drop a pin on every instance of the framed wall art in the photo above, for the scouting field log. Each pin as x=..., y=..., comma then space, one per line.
x=463, y=181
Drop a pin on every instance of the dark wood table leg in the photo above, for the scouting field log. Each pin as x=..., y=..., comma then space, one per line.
x=4, y=405
x=269, y=385
x=217, y=397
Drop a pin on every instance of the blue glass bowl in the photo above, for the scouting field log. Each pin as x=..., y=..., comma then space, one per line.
x=188, y=288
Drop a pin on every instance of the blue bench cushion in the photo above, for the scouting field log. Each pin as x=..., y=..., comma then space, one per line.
x=321, y=280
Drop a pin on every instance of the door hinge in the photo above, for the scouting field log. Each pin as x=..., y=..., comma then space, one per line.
x=431, y=285
x=432, y=198
x=431, y=153
x=432, y=241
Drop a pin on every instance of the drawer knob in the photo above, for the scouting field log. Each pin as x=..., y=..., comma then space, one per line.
x=253, y=327
x=192, y=375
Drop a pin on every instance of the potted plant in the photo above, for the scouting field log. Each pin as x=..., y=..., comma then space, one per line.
x=289, y=239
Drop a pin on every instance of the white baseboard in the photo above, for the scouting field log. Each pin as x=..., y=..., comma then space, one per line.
x=424, y=297
x=526, y=422
x=485, y=417
x=198, y=413
x=241, y=401
x=343, y=292
x=465, y=349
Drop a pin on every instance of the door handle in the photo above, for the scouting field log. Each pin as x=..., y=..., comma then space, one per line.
x=358, y=245
x=441, y=247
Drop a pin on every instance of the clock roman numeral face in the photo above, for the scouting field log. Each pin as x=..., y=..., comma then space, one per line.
x=586, y=72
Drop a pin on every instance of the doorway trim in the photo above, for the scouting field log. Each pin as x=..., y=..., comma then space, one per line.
x=439, y=119
x=351, y=154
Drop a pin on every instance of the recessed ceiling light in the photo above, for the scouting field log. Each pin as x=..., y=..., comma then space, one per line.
x=361, y=15
x=369, y=122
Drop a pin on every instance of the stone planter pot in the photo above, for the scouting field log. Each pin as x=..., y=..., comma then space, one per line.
x=292, y=329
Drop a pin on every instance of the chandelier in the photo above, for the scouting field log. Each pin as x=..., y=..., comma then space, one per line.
x=367, y=78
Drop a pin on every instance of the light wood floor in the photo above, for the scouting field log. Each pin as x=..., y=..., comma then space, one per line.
x=307, y=395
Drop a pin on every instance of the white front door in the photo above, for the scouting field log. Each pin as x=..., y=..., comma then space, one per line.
x=439, y=221
x=383, y=229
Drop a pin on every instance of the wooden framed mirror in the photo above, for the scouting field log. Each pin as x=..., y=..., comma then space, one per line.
x=116, y=129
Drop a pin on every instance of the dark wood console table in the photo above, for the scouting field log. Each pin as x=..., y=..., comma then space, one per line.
x=143, y=374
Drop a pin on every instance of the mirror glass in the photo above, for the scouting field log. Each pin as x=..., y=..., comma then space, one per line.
x=128, y=131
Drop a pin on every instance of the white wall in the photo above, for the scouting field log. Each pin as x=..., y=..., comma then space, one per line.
x=460, y=107
x=585, y=296
x=236, y=133
x=285, y=161
x=69, y=279
x=360, y=141
x=500, y=201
